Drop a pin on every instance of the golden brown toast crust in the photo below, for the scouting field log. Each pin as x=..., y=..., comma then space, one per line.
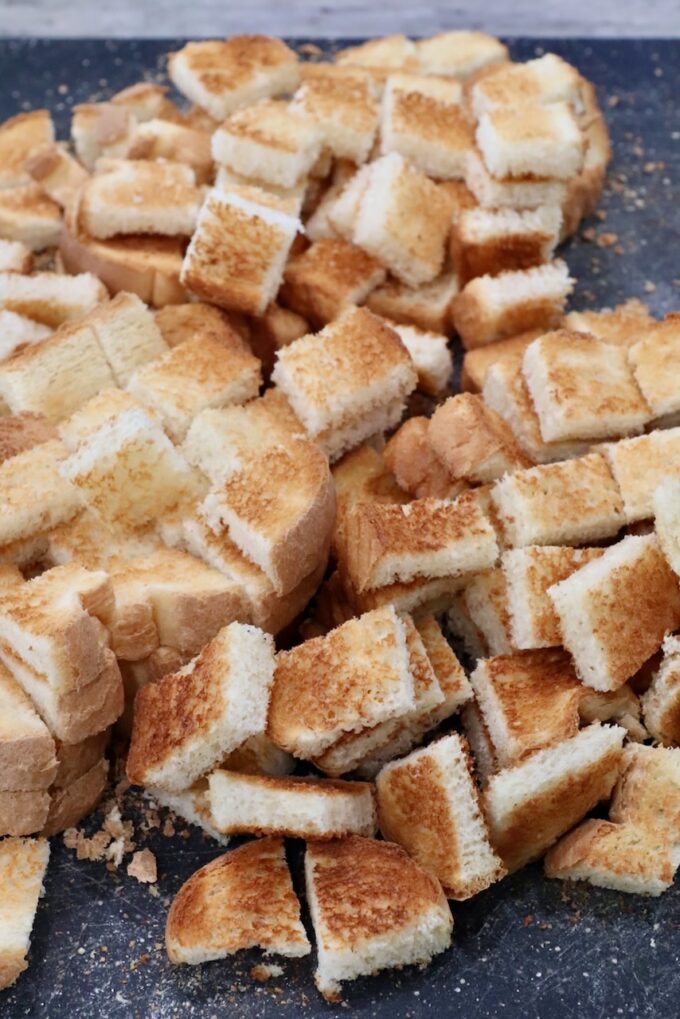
x=416, y=467
x=331, y=273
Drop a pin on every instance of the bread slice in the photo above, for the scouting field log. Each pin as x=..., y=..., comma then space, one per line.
x=486, y=600
x=15, y=256
x=127, y=334
x=655, y=358
x=34, y=495
x=615, y=611
x=29, y=217
x=543, y=140
x=20, y=136
x=428, y=803
x=413, y=922
x=21, y=432
x=415, y=465
x=27, y=750
x=187, y=722
x=431, y=356
x=478, y=361
x=327, y=278
x=459, y=54
x=156, y=139
x=545, y=80
x=70, y=804
x=530, y=805
x=661, y=702
x=57, y=172
x=49, y=297
x=345, y=112
x=429, y=131
x=529, y=573
x=237, y=254
x=403, y=220
x=427, y=306
x=101, y=130
x=640, y=465
x=389, y=52
x=221, y=76
x=362, y=375
x=546, y=505
x=473, y=441
x=23, y=863
x=486, y=242
x=366, y=680
x=297, y=807
x=491, y=308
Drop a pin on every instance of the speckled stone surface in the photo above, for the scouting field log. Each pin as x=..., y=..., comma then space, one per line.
x=528, y=947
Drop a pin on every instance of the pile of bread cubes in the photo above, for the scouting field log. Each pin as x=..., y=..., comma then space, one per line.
x=225, y=375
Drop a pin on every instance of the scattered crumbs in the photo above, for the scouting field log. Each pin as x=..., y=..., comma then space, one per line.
x=266, y=971
x=650, y=288
x=613, y=101
x=545, y=926
x=143, y=867
x=141, y=960
x=589, y=233
x=168, y=828
x=528, y=920
x=606, y=240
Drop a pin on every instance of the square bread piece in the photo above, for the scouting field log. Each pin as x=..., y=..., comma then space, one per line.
x=140, y=197
x=547, y=79
x=386, y=53
x=431, y=356
x=355, y=677
x=27, y=215
x=403, y=220
x=666, y=507
x=327, y=278
x=222, y=75
x=427, y=307
x=529, y=805
x=489, y=241
x=268, y=141
x=344, y=110
x=51, y=297
x=571, y=502
x=459, y=54
x=361, y=376
x=304, y=808
x=527, y=192
x=428, y=538
x=428, y=803
x=432, y=133
x=485, y=601
x=20, y=137
x=490, y=308
x=410, y=921
x=529, y=572
x=473, y=441
x=199, y=373
x=188, y=721
x=27, y=750
x=545, y=141
x=582, y=388
x=614, y=612
x=23, y=863
x=239, y=249
x=15, y=257
x=33, y=494
x=128, y=335
x=655, y=360
x=622, y=325
x=529, y=700
x=58, y=173
x=640, y=465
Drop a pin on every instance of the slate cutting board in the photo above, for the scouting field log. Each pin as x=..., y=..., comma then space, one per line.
x=527, y=947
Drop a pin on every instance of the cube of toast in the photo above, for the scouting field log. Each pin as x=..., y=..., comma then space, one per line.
x=15, y=257
x=345, y=112
x=222, y=75
x=21, y=432
x=485, y=242
x=366, y=680
x=413, y=924
x=529, y=572
x=648, y=791
x=491, y=308
x=187, y=722
x=570, y=502
x=427, y=306
x=527, y=192
x=529, y=805
x=27, y=750
x=655, y=359
x=50, y=297
x=486, y=600
x=473, y=441
x=403, y=220
x=57, y=172
x=615, y=611
x=34, y=495
x=478, y=361
x=416, y=467
x=432, y=133
x=544, y=140
x=389, y=53
x=128, y=335
x=20, y=136
x=665, y=503
x=237, y=254
x=23, y=863
x=623, y=325
x=160, y=139
x=545, y=80
x=327, y=278
x=101, y=130
x=640, y=465
x=431, y=356
x=180, y=322
x=429, y=804
x=362, y=476
x=582, y=388
x=458, y=53
x=29, y=217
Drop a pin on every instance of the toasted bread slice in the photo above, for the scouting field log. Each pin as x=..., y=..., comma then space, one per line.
x=413, y=922
x=188, y=721
x=140, y=197
x=101, y=130
x=70, y=804
x=615, y=611
x=390, y=52
x=545, y=80
x=485, y=600
x=530, y=805
x=15, y=256
x=478, y=361
x=647, y=793
x=431, y=132
x=34, y=495
x=655, y=358
x=543, y=140
x=127, y=334
x=160, y=139
x=416, y=467
x=431, y=356
x=192, y=806
x=459, y=54
x=20, y=136
x=621, y=326
x=661, y=702
x=23, y=863
x=327, y=278
x=486, y=242
x=221, y=76
x=473, y=441
x=27, y=750
x=345, y=112
x=50, y=297
x=640, y=465
x=29, y=217
x=428, y=803
x=21, y=432
x=57, y=172
x=427, y=306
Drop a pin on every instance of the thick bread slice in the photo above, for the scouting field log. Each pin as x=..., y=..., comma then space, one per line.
x=243, y=899
x=655, y=359
x=327, y=278
x=429, y=130
x=473, y=441
x=33, y=494
x=428, y=803
x=188, y=721
x=304, y=808
x=28, y=216
x=57, y=172
x=27, y=750
x=49, y=297
x=416, y=467
x=20, y=136
x=355, y=677
x=427, y=306
x=431, y=356
x=615, y=611
x=23, y=863
x=15, y=257
x=544, y=80
x=128, y=335
x=23, y=812
x=459, y=54
x=530, y=805
x=101, y=130
x=344, y=110
x=410, y=921
x=192, y=805
x=640, y=465
x=70, y=804
x=485, y=597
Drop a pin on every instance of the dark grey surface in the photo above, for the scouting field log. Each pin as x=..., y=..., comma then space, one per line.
x=527, y=947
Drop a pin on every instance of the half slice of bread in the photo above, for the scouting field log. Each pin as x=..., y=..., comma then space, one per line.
x=23, y=863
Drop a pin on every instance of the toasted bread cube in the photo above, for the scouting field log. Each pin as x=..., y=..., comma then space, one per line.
x=615, y=611
x=529, y=805
x=655, y=360
x=285, y=535
x=161, y=139
x=57, y=172
x=622, y=326
x=427, y=307
x=362, y=476
x=386, y=544
x=140, y=197
x=542, y=140
x=666, y=508
x=128, y=335
x=221, y=76
x=188, y=721
x=366, y=680
x=412, y=924
x=528, y=192
x=146, y=100
x=571, y=502
x=20, y=137
x=403, y=220
x=473, y=441
x=33, y=494
x=428, y=803
x=345, y=112
x=49, y=297
x=529, y=572
x=529, y=700
x=431, y=356
x=362, y=375
x=27, y=215
x=459, y=54
x=478, y=361
x=640, y=465
x=15, y=257
x=422, y=596
x=21, y=432
x=243, y=899
x=237, y=254
x=388, y=53
x=23, y=863
x=648, y=791
x=327, y=278
x=489, y=241
x=545, y=80
x=582, y=388
x=417, y=469
x=106, y=405
x=486, y=600
x=492, y=307
x=27, y=750
x=432, y=133
x=180, y=322
x=269, y=141
x=101, y=130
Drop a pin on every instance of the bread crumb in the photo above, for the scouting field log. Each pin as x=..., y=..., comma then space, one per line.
x=265, y=971
x=143, y=867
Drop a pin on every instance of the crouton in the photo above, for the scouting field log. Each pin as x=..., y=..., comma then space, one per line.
x=486, y=242
x=545, y=80
x=101, y=130
x=20, y=137
x=486, y=600
x=431, y=356
x=473, y=441
x=344, y=110
x=459, y=53
x=49, y=297
x=57, y=172
x=417, y=469
x=433, y=134
x=427, y=306
x=327, y=278
x=27, y=215
x=545, y=141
